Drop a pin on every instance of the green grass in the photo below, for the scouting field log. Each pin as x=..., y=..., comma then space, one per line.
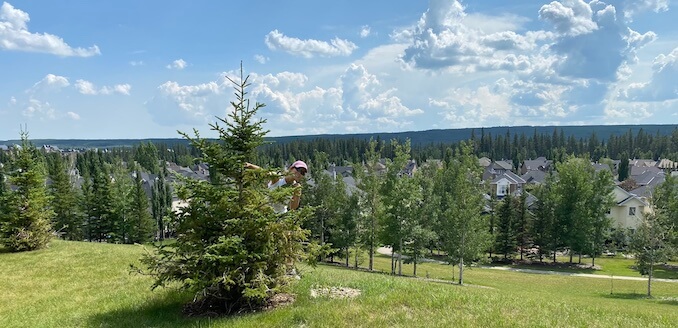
x=75, y=284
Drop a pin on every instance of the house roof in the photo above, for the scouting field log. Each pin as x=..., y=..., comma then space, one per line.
x=510, y=176
x=642, y=162
x=666, y=164
x=534, y=176
x=638, y=170
x=536, y=164
x=600, y=167
x=504, y=165
x=484, y=161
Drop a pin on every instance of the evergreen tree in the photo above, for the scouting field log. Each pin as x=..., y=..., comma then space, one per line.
x=68, y=219
x=506, y=240
x=522, y=223
x=141, y=223
x=232, y=248
x=161, y=204
x=121, y=196
x=623, y=167
x=25, y=223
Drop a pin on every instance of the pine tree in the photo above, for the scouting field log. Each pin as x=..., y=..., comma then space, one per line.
x=121, y=204
x=140, y=221
x=232, y=248
x=25, y=225
x=68, y=219
x=506, y=240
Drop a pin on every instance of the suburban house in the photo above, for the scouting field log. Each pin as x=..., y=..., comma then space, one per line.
x=538, y=164
x=628, y=210
x=501, y=180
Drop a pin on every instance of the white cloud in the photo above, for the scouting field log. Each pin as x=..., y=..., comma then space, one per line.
x=662, y=86
x=88, y=88
x=39, y=108
x=136, y=63
x=175, y=104
x=178, y=64
x=261, y=59
x=72, y=115
x=365, y=31
x=572, y=18
x=14, y=35
x=309, y=48
x=50, y=82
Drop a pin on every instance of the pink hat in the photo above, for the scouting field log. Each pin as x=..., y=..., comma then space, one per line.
x=299, y=164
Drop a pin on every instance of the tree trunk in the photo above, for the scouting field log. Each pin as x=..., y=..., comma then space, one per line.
x=521, y=253
x=348, y=256
x=593, y=260
x=571, y=256
x=461, y=270
x=392, y=262
x=400, y=258
x=649, y=279
x=554, y=256
x=579, y=258
x=415, y=265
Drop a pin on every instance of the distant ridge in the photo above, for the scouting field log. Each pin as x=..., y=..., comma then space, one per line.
x=603, y=132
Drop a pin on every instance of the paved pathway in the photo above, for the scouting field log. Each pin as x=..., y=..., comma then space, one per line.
x=387, y=251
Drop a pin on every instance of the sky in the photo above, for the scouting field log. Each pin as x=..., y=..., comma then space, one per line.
x=75, y=69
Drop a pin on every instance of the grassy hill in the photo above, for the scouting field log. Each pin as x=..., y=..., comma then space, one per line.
x=77, y=284
x=417, y=137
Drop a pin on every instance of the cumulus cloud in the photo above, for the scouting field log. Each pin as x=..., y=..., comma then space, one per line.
x=42, y=109
x=88, y=88
x=50, y=82
x=174, y=103
x=594, y=39
x=72, y=115
x=365, y=31
x=178, y=64
x=309, y=48
x=261, y=59
x=662, y=86
x=573, y=18
x=14, y=35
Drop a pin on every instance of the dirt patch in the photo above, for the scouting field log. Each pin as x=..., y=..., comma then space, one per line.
x=335, y=292
x=280, y=300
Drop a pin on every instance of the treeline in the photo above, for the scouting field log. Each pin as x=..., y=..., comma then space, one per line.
x=93, y=196
x=514, y=147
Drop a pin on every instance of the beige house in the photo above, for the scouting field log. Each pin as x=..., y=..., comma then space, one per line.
x=629, y=209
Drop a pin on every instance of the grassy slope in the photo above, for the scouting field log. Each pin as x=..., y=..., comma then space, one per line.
x=87, y=284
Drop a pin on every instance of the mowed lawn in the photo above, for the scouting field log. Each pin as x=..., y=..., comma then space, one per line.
x=77, y=284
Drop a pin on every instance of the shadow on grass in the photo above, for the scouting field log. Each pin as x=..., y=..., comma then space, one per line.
x=548, y=266
x=627, y=296
x=636, y=296
x=161, y=311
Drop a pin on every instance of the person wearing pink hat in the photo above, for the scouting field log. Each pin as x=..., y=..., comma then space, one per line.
x=296, y=173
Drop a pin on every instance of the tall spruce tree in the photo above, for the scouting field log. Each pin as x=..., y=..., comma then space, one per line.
x=25, y=221
x=232, y=248
x=507, y=236
x=68, y=219
x=141, y=223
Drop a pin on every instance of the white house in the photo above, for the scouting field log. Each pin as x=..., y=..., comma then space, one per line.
x=629, y=209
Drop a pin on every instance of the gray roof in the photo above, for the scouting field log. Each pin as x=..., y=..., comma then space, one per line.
x=639, y=170
x=539, y=163
x=510, y=176
x=534, y=176
x=599, y=167
x=505, y=165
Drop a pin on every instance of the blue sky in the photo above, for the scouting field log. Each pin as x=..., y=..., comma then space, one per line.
x=145, y=69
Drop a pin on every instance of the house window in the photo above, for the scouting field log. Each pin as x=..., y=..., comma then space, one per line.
x=632, y=211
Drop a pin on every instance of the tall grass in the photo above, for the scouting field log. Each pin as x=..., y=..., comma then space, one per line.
x=75, y=284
